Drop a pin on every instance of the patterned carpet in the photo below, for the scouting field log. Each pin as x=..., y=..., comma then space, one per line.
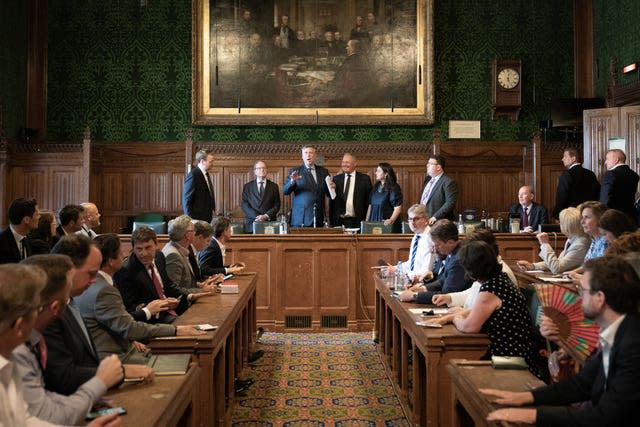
x=320, y=380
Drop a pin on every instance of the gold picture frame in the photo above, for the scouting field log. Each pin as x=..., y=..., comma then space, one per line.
x=242, y=74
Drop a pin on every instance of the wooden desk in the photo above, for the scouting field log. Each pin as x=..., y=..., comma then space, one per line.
x=322, y=282
x=526, y=278
x=470, y=407
x=424, y=382
x=167, y=402
x=220, y=354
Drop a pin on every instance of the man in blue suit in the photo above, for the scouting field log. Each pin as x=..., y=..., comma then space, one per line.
x=198, y=197
x=307, y=183
x=609, y=382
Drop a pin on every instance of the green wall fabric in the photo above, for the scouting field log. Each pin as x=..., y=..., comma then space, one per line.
x=125, y=71
x=615, y=24
x=13, y=65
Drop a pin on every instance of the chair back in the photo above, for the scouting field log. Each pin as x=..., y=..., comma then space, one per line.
x=160, y=227
x=266, y=227
x=375, y=227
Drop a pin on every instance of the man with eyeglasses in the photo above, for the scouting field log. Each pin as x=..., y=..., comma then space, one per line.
x=609, y=381
x=260, y=198
x=452, y=277
x=421, y=254
x=31, y=357
x=20, y=288
x=440, y=191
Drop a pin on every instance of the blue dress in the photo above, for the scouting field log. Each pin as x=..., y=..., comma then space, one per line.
x=383, y=200
x=597, y=248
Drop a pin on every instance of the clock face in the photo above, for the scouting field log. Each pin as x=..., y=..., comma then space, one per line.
x=508, y=78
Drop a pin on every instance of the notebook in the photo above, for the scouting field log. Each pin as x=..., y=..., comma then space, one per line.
x=162, y=364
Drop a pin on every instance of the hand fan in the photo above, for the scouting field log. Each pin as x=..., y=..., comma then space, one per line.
x=564, y=308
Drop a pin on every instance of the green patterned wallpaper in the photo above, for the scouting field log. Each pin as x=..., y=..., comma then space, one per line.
x=125, y=71
x=13, y=65
x=616, y=34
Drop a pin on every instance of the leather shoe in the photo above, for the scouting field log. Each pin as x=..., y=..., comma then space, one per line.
x=243, y=383
x=255, y=356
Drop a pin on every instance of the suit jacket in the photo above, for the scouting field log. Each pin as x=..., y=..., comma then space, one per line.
x=614, y=399
x=576, y=185
x=361, y=191
x=137, y=288
x=178, y=268
x=571, y=257
x=9, y=252
x=307, y=193
x=452, y=279
x=211, y=261
x=618, y=189
x=538, y=214
x=197, y=201
x=443, y=197
x=49, y=405
x=254, y=205
x=111, y=327
x=72, y=359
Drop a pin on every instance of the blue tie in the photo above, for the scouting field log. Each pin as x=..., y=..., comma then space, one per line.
x=414, y=249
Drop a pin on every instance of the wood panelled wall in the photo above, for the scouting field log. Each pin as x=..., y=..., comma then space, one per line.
x=129, y=178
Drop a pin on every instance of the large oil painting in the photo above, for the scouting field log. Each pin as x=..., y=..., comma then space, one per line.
x=269, y=62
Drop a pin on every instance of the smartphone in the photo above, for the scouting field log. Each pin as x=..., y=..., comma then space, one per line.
x=228, y=276
x=106, y=411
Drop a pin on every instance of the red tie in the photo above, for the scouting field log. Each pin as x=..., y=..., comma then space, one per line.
x=159, y=289
x=42, y=349
x=525, y=218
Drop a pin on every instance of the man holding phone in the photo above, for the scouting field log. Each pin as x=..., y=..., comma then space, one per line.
x=20, y=288
x=143, y=279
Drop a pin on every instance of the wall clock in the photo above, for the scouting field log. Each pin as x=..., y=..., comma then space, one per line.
x=506, y=75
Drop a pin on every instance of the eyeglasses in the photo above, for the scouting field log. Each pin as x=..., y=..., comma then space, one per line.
x=415, y=218
x=432, y=164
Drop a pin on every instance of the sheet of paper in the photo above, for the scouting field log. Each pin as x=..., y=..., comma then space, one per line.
x=556, y=280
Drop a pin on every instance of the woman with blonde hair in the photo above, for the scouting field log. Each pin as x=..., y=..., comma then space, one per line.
x=572, y=256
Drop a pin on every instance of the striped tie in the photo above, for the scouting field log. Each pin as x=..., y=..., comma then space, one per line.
x=414, y=250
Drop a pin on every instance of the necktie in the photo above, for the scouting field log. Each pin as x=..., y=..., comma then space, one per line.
x=312, y=171
x=261, y=188
x=347, y=187
x=210, y=184
x=23, y=249
x=414, y=250
x=42, y=350
x=427, y=191
x=525, y=218
x=158, y=286
x=193, y=262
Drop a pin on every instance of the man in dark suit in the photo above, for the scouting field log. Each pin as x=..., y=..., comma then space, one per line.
x=212, y=257
x=453, y=278
x=352, y=195
x=307, y=183
x=143, y=279
x=531, y=214
x=72, y=357
x=619, y=183
x=576, y=184
x=287, y=34
x=112, y=328
x=440, y=191
x=198, y=196
x=609, y=381
x=71, y=219
x=24, y=215
x=260, y=198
